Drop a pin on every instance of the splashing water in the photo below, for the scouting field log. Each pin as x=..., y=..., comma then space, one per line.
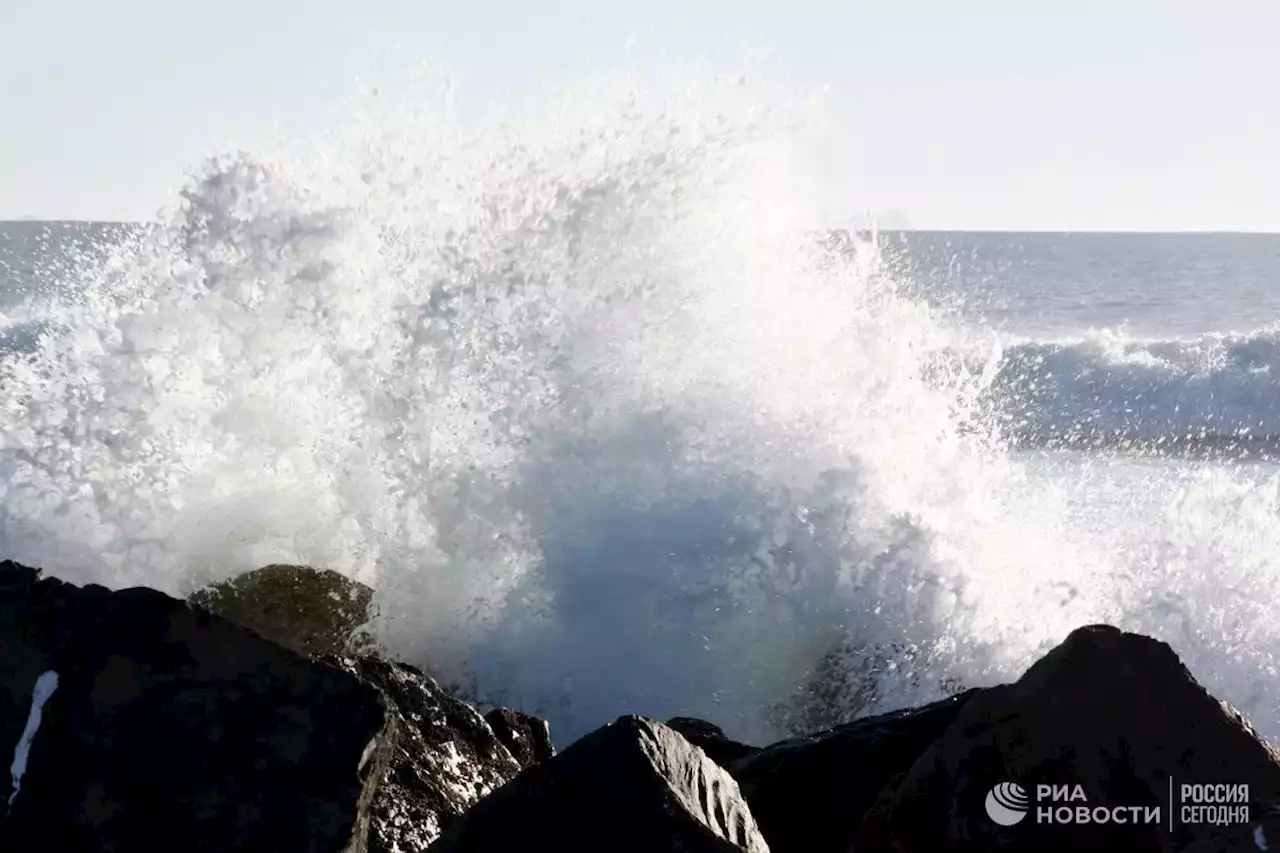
x=606, y=425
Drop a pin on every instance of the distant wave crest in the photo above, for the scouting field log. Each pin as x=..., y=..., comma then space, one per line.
x=1210, y=396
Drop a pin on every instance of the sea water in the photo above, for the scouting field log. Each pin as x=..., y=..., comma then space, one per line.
x=617, y=418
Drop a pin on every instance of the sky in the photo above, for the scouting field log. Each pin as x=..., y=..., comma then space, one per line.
x=1031, y=115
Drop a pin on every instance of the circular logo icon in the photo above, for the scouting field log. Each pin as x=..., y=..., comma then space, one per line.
x=1007, y=803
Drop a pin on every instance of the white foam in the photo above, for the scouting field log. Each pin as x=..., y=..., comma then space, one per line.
x=40, y=694
x=577, y=392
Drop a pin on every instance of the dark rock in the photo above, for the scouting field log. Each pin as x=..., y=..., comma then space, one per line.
x=634, y=785
x=1114, y=713
x=527, y=737
x=172, y=727
x=445, y=757
x=312, y=611
x=711, y=739
x=810, y=794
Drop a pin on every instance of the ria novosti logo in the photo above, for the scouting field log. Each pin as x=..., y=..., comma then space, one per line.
x=1008, y=803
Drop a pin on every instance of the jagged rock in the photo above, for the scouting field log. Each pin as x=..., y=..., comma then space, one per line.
x=312, y=611
x=711, y=739
x=1114, y=713
x=527, y=737
x=634, y=785
x=141, y=722
x=809, y=794
x=445, y=757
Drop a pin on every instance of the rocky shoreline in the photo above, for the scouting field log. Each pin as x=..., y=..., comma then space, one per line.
x=252, y=718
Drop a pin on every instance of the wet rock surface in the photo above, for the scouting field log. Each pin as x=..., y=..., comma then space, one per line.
x=712, y=740
x=132, y=717
x=1117, y=715
x=810, y=793
x=169, y=723
x=527, y=737
x=154, y=716
x=635, y=785
x=312, y=611
x=444, y=757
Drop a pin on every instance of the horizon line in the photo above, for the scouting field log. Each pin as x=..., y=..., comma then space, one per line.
x=1135, y=232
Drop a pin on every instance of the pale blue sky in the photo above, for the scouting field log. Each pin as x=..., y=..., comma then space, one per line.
x=1121, y=115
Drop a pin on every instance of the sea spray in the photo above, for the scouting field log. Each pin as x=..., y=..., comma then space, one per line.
x=584, y=396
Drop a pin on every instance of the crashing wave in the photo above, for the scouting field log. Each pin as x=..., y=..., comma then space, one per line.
x=1216, y=396
x=580, y=397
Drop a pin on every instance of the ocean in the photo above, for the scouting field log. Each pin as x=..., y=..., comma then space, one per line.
x=616, y=422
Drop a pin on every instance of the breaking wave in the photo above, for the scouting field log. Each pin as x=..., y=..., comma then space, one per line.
x=609, y=430
x=1213, y=397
